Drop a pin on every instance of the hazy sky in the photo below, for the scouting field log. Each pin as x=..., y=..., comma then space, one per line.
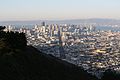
x=58, y=9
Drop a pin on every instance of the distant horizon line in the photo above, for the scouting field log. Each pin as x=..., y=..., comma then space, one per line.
x=58, y=19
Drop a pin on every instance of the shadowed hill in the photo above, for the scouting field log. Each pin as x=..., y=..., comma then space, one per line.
x=21, y=62
x=31, y=64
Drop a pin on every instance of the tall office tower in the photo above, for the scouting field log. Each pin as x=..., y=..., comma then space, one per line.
x=92, y=28
x=61, y=49
x=50, y=30
x=43, y=29
x=9, y=28
x=43, y=24
x=53, y=30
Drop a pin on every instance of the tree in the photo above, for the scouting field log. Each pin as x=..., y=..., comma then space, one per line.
x=2, y=28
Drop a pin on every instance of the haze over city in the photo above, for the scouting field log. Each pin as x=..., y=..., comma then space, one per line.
x=11, y=10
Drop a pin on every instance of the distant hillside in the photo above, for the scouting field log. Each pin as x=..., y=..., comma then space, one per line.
x=70, y=21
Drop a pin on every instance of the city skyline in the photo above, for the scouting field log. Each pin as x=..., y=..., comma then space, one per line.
x=56, y=10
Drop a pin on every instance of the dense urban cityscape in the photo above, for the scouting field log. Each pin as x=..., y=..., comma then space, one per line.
x=82, y=45
x=59, y=40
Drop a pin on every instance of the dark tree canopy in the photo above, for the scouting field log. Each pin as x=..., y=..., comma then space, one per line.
x=11, y=41
x=2, y=28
